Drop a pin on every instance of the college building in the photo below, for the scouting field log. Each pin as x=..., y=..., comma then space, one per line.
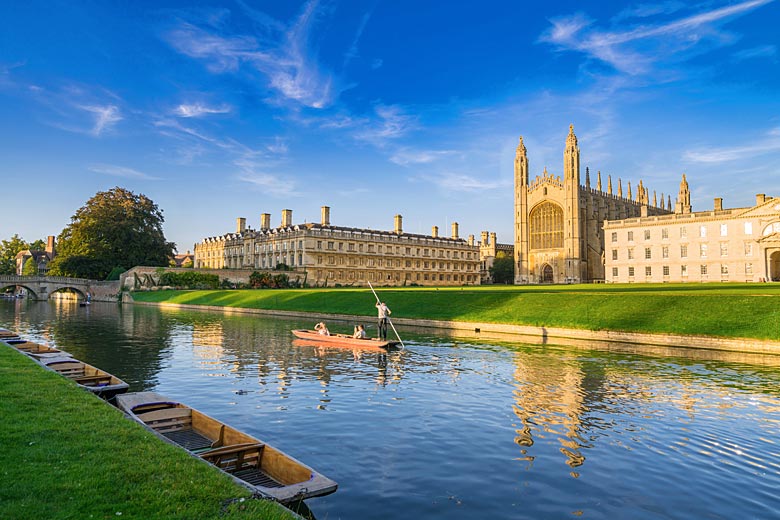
x=332, y=255
x=559, y=221
x=717, y=245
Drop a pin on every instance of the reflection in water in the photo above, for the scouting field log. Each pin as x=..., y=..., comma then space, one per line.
x=453, y=428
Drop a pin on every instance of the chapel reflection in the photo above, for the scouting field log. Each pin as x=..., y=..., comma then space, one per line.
x=549, y=400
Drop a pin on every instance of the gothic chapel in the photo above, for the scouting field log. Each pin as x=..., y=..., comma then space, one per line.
x=559, y=234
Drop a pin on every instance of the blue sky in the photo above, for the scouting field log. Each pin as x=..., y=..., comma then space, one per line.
x=217, y=110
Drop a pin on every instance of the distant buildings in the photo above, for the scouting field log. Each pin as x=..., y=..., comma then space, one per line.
x=341, y=255
x=718, y=245
x=40, y=258
x=489, y=248
x=567, y=233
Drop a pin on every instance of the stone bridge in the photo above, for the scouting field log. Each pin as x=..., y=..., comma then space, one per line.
x=42, y=287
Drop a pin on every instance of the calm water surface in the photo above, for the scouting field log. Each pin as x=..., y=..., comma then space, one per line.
x=456, y=429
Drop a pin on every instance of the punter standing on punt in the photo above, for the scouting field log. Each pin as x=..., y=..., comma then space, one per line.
x=384, y=314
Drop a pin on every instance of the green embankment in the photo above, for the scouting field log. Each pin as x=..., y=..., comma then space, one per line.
x=67, y=454
x=725, y=310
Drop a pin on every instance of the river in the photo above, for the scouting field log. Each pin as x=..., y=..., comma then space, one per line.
x=456, y=429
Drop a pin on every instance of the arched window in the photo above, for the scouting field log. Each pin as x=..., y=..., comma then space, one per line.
x=546, y=226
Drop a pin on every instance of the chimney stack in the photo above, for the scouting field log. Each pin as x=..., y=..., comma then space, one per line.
x=493, y=238
x=718, y=204
x=471, y=240
x=435, y=231
x=325, y=216
x=240, y=225
x=485, y=238
x=399, y=224
x=760, y=199
x=286, y=217
x=50, y=245
x=265, y=221
x=455, y=230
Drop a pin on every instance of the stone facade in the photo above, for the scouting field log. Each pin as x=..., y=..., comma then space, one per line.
x=41, y=258
x=488, y=249
x=720, y=245
x=333, y=255
x=558, y=221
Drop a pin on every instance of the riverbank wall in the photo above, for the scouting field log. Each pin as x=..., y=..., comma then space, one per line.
x=534, y=335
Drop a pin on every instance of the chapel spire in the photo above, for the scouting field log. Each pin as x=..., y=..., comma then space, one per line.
x=683, y=197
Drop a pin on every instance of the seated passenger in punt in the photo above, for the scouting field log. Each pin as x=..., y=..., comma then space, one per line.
x=360, y=332
x=322, y=329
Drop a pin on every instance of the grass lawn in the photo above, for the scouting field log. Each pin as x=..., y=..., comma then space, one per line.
x=67, y=454
x=726, y=310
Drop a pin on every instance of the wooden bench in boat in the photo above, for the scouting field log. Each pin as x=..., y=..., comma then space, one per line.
x=71, y=369
x=97, y=380
x=175, y=424
x=244, y=462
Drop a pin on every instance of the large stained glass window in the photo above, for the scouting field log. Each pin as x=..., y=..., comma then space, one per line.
x=546, y=226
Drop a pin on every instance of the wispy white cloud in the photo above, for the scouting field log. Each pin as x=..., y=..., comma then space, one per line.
x=634, y=51
x=762, y=51
x=390, y=122
x=460, y=182
x=282, y=56
x=770, y=143
x=199, y=109
x=121, y=171
x=352, y=52
x=648, y=10
x=105, y=117
x=407, y=156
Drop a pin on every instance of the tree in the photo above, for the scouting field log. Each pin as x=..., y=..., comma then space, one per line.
x=8, y=251
x=503, y=270
x=30, y=267
x=114, y=228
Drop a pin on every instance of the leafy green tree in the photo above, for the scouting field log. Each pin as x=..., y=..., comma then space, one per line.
x=187, y=264
x=503, y=270
x=30, y=268
x=8, y=251
x=114, y=228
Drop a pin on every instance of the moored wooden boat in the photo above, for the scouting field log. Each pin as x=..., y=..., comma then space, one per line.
x=342, y=340
x=255, y=464
x=97, y=381
x=37, y=350
x=6, y=335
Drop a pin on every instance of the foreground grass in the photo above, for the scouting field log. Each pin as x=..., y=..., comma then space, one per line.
x=67, y=454
x=725, y=310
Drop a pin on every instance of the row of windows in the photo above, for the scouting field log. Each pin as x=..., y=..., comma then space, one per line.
x=703, y=269
x=380, y=262
x=408, y=251
x=378, y=276
x=703, y=250
x=647, y=234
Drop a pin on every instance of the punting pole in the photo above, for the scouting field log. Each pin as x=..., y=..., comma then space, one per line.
x=388, y=319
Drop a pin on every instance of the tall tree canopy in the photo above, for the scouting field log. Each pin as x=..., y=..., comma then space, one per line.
x=115, y=228
x=8, y=251
x=503, y=270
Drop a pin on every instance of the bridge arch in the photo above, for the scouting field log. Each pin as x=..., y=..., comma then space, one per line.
x=5, y=285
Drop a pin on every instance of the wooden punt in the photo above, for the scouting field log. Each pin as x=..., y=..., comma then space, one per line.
x=342, y=340
x=6, y=335
x=97, y=381
x=37, y=350
x=255, y=464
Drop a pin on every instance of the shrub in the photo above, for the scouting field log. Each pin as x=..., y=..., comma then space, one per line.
x=190, y=280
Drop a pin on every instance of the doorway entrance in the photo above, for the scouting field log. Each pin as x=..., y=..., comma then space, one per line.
x=774, y=266
x=547, y=273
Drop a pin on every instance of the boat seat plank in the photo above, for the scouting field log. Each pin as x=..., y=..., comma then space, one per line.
x=93, y=380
